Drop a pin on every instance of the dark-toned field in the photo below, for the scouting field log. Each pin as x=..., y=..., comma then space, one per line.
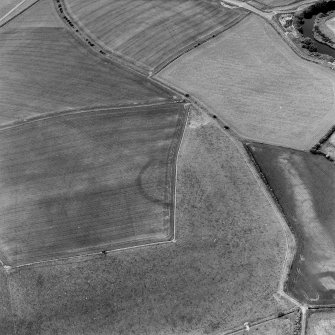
x=305, y=187
x=222, y=271
x=44, y=69
x=150, y=33
x=88, y=181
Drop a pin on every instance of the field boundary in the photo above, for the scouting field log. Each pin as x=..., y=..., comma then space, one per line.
x=84, y=256
x=74, y=111
x=10, y=18
x=175, y=172
x=289, y=261
x=258, y=322
x=201, y=40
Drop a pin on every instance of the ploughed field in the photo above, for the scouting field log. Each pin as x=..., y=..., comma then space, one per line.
x=85, y=182
x=44, y=69
x=251, y=79
x=304, y=185
x=151, y=33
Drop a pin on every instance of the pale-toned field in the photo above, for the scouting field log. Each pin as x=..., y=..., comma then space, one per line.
x=150, y=33
x=222, y=271
x=44, y=69
x=250, y=78
x=321, y=323
x=86, y=182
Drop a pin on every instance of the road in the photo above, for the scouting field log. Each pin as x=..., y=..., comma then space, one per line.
x=245, y=5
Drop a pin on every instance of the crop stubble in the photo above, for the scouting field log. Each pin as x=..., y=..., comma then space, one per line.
x=80, y=183
x=150, y=33
x=255, y=82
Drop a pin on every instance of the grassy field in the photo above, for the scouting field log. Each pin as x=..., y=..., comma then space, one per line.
x=223, y=269
x=321, y=323
x=44, y=69
x=305, y=187
x=250, y=78
x=87, y=182
x=150, y=33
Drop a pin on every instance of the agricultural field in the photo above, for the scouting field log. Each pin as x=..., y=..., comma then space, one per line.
x=304, y=185
x=251, y=79
x=8, y=5
x=44, y=69
x=228, y=237
x=86, y=182
x=149, y=33
x=321, y=323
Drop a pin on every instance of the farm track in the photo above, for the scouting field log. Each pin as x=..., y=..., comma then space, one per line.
x=16, y=11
